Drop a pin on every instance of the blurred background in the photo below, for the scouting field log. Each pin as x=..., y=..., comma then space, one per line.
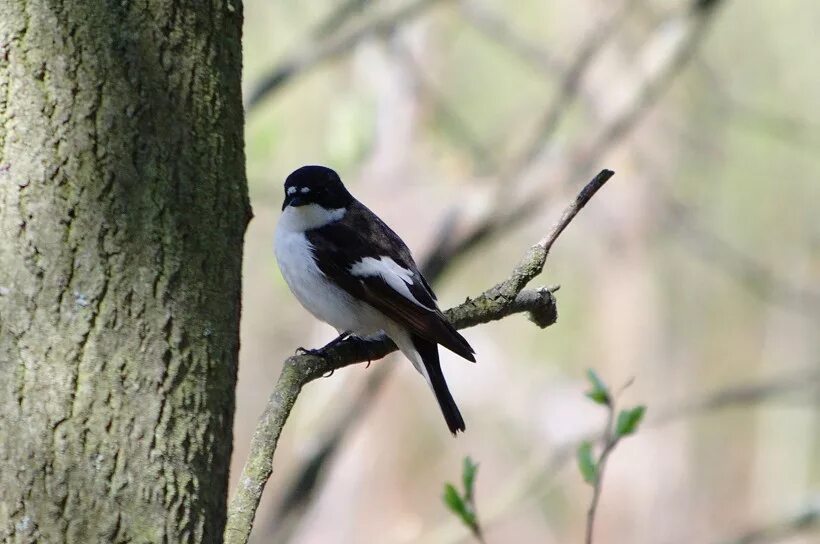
x=468, y=126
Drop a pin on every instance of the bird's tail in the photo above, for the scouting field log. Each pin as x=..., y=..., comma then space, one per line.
x=428, y=351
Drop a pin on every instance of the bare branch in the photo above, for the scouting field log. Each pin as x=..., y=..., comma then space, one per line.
x=458, y=127
x=496, y=28
x=500, y=219
x=569, y=87
x=805, y=519
x=692, y=32
x=334, y=47
x=337, y=18
x=752, y=274
x=300, y=492
x=747, y=394
x=505, y=298
x=693, y=29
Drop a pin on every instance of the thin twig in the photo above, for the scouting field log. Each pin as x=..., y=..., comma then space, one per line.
x=334, y=47
x=496, y=28
x=609, y=441
x=505, y=298
x=743, y=394
x=750, y=272
x=454, y=123
x=612, y=131
x=569, y=88
x=336, y=19
x=536, y=475
x=805, y=519
x=696, y=23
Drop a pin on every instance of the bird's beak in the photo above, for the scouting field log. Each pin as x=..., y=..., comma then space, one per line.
x=292, y=200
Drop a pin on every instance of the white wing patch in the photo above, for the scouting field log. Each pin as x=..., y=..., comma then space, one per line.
x=396, y=276
x=304, y=190
x=291, y=190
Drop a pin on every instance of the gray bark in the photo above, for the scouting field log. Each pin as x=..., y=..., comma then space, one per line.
x=123, y=203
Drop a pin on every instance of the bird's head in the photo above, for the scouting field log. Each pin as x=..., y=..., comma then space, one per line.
x=316, y=185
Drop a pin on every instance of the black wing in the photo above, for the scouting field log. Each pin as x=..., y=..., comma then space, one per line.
x=356, y=251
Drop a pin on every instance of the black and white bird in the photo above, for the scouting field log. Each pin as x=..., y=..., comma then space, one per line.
x=350, y=270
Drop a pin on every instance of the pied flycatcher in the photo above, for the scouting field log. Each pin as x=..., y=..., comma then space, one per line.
x=350, y=270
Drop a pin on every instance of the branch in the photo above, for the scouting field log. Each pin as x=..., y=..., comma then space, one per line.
x=336, y=19
x=453, y=123
x=299, y=493
x=749, y=271
x=496, y=28
x=609, y=444
x=806, y=519
x=335, y=47
x=592, y=470
x=505, y=298
x=497, y=219
x=570, y=85
x=537, y=473
x=694, y=25
x=649, y=90
x=747, y=394
x=500, y=219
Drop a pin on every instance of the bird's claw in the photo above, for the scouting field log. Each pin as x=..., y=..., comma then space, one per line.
x=329, y=374
x=314, y=352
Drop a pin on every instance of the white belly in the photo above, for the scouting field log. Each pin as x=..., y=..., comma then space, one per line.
x=321, y=298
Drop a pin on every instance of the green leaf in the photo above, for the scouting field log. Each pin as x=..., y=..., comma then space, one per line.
x=628, y=421
x=586, y=464
x=453, y=500
x=458, y=506
x=468, y=476
x=599, y=392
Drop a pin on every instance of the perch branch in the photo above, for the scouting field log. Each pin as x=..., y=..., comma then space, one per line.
x=299, y=493
x=452, y=247
x=505, y=298
x=442, y=254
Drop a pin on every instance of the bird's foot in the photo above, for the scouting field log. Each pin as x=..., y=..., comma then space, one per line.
x=329, y=374
x=320, y=352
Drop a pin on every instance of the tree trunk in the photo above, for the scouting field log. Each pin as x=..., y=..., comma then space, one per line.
x=123, y=204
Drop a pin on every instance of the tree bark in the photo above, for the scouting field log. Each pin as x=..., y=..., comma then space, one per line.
x=123, y=204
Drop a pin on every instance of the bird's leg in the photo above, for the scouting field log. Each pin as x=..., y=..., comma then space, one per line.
x=320, y=352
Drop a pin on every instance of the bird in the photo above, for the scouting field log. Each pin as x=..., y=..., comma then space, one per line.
x=349, y=269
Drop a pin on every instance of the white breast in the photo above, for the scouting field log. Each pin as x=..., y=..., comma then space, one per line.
x=311, y=287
